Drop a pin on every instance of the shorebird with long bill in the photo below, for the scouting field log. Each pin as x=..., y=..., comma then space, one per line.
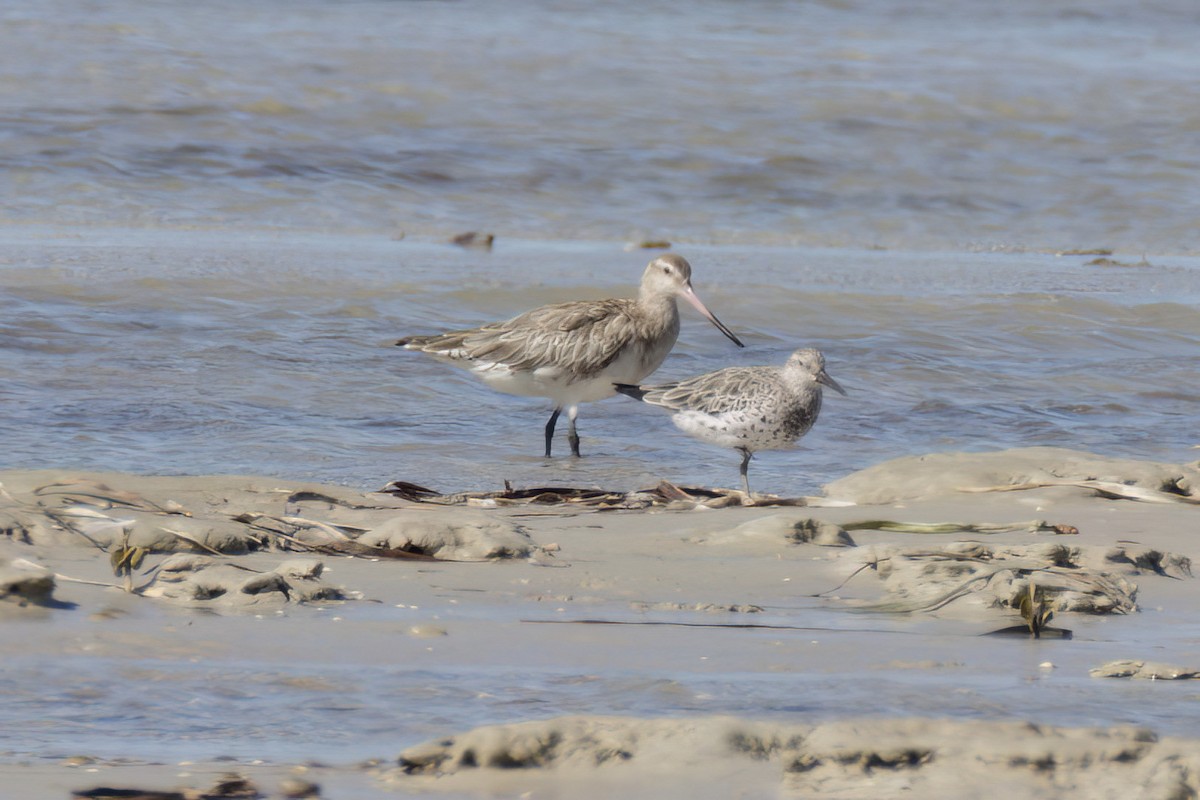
x=577, y=352
x=746, y=408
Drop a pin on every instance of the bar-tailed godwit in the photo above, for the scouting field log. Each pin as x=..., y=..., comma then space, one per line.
x=746, y=408
x=575, y=352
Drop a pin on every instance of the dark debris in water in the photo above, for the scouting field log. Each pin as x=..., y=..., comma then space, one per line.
x=483, y=241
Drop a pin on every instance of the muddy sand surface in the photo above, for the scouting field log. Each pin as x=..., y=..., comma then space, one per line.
x=163, y=632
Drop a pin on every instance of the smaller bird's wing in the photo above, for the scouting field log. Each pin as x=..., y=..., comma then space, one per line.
x=730, y=389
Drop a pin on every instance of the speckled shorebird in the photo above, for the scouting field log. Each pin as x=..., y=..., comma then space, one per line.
x=576, y=352
x=746, y=408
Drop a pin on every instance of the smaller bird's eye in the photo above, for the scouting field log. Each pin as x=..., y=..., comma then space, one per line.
x=666, y=269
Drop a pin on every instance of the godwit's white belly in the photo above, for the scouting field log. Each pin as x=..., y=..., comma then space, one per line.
x=564, y=386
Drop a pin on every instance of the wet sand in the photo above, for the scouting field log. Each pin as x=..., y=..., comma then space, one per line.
x=775, y=665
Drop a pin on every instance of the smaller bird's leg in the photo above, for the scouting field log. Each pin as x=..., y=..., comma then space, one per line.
x=572, y=436
x=745, y=470
x=550, y=429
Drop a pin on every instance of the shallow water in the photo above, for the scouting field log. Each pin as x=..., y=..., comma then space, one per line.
x=201, y=273
x=218, y=216
x=193, y=353
x=301, y=694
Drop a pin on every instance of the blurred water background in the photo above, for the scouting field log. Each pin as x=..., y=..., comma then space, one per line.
x=922, y=125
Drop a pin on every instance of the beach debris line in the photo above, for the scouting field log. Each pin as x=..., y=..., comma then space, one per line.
x=664, y=495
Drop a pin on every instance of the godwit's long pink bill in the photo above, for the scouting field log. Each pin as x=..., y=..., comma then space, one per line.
x=746, y=408
x=575, y=352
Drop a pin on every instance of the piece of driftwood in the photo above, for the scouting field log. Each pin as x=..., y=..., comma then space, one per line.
x=94, y=493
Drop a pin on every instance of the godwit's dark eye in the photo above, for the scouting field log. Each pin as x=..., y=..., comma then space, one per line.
x=666, y=269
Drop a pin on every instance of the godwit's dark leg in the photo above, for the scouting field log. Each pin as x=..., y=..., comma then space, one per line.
x=550, y=429
x=745, y=470
x=572, y=436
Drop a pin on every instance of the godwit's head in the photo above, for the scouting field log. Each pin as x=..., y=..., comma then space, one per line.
x=670, y=275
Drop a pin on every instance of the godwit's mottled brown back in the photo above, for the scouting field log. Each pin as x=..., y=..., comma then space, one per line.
x=580, y=338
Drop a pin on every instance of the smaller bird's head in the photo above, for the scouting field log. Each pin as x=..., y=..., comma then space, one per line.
x=811, y=363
